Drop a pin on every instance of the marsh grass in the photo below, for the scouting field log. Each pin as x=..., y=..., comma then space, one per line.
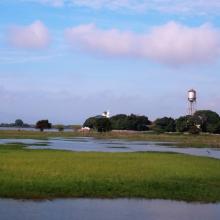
x=40, y=174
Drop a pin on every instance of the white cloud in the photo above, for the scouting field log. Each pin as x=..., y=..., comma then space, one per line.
x=55, y=3
x=173, y=6
x=172, y=43
x=177, y=44
x=33, y=36
x=107, y=41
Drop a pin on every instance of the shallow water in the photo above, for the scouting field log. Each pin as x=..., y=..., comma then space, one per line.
x=106, y=209
x=86, y=144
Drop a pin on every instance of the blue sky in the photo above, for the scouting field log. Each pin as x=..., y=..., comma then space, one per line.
x=66, y=60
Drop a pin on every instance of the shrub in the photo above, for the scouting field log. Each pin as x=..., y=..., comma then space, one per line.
x=194, y=130
x=60, y=127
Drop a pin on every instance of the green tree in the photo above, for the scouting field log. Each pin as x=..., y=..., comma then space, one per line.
x=216, y=128
x=99, y=123
x=188, y=123
x=90, y=122
x=119, y=122
x=207, y=120
x=182, y=123
x=164, y=124
x=43, y=124
x=130, y=122
x=103, y=124
x=19, y=123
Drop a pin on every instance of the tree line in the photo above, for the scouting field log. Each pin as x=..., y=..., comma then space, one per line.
x=41, y=125
x=200, y=121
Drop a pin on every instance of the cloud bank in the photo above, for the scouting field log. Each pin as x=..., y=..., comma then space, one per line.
x=172, y=43
x=33, y=36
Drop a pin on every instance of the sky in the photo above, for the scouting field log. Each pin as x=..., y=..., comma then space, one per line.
x=67, y=60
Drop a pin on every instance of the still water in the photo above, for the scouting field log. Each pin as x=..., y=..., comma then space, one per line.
x=106, y=209
x=111, y=145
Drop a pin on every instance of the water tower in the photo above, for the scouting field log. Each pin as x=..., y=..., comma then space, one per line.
x=192, y=101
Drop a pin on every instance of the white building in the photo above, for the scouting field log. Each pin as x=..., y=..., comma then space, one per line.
x=106, y=114
x=85, y=129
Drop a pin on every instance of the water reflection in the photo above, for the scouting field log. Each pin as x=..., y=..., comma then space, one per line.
x=97, y=209
x=111, y=145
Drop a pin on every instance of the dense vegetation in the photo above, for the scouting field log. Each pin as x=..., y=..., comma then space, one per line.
x=101, y=124
x=209, y=121
x=118, y=122
x=130, y=122
x=51, y=174
x=164, y=125
x=201, y=121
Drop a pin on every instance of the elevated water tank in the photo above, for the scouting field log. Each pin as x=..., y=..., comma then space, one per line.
x=192, y=95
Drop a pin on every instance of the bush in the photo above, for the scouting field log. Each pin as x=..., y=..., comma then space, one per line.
x=76, y=127
x=194, y=130
x=60, y=127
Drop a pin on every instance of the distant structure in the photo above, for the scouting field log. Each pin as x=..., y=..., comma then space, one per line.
x=106, y=114
x=192, y=101
x=84, y=129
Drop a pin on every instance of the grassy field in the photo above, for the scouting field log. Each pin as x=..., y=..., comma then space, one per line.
x=43, y=174
x=186, y=140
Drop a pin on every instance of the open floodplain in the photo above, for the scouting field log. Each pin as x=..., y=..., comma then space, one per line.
x=139, y=179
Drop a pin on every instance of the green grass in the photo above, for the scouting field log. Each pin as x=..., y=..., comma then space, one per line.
x=186, y=140
x=43, y=174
